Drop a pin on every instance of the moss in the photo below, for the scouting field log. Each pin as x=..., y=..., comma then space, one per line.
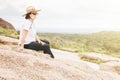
x=97, y=61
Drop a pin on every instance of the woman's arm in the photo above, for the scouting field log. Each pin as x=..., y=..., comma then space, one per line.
x=24, y=33
x=38, y=40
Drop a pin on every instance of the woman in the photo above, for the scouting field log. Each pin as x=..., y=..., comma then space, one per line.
x=28, y=37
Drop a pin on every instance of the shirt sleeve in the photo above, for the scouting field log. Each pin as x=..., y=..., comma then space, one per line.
x=27, y=25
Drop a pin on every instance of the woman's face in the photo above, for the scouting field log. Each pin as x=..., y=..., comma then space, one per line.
x=33, y=16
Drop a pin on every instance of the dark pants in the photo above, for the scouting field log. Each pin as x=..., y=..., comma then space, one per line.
x=37, y=46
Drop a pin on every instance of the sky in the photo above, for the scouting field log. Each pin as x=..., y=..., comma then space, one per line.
x=65, y=16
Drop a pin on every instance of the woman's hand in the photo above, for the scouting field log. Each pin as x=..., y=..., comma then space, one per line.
x=20, y=48
x=41, y=42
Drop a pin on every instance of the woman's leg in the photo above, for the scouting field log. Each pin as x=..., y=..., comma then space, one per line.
x=46, y=41
x=33, y=45
x=36, y=46
x=47, y=50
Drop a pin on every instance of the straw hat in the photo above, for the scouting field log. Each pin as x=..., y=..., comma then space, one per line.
x=30, y=9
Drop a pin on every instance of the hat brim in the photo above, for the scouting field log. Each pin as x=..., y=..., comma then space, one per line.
x=36, y=11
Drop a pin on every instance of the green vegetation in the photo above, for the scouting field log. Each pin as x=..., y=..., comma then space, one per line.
x=101, y=42
x=8, y=32
x=97, y=61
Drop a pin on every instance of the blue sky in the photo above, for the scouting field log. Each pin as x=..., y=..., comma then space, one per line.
x=66, y=16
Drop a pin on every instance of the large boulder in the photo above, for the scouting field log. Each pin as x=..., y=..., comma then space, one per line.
x=31, y=65
x=102, y=57
x=111, y=66
x=6, y=24
x=8, y=40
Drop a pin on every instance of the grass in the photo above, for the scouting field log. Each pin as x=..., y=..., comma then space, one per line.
x=8, y=32
x=97, y=61
x=102, y=42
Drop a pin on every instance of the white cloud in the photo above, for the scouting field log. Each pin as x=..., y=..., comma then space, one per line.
x=76, y=15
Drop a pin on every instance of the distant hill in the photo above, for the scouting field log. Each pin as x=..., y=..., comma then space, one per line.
x=107, y=42
x=5, y=24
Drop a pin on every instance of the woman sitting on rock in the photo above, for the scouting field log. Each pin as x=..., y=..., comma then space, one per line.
x=28, y=37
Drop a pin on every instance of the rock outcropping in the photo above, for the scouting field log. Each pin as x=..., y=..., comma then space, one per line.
x=102, y=57
x=6, y=24
x=111, y=67
x=32, y=65
x=8, y=40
